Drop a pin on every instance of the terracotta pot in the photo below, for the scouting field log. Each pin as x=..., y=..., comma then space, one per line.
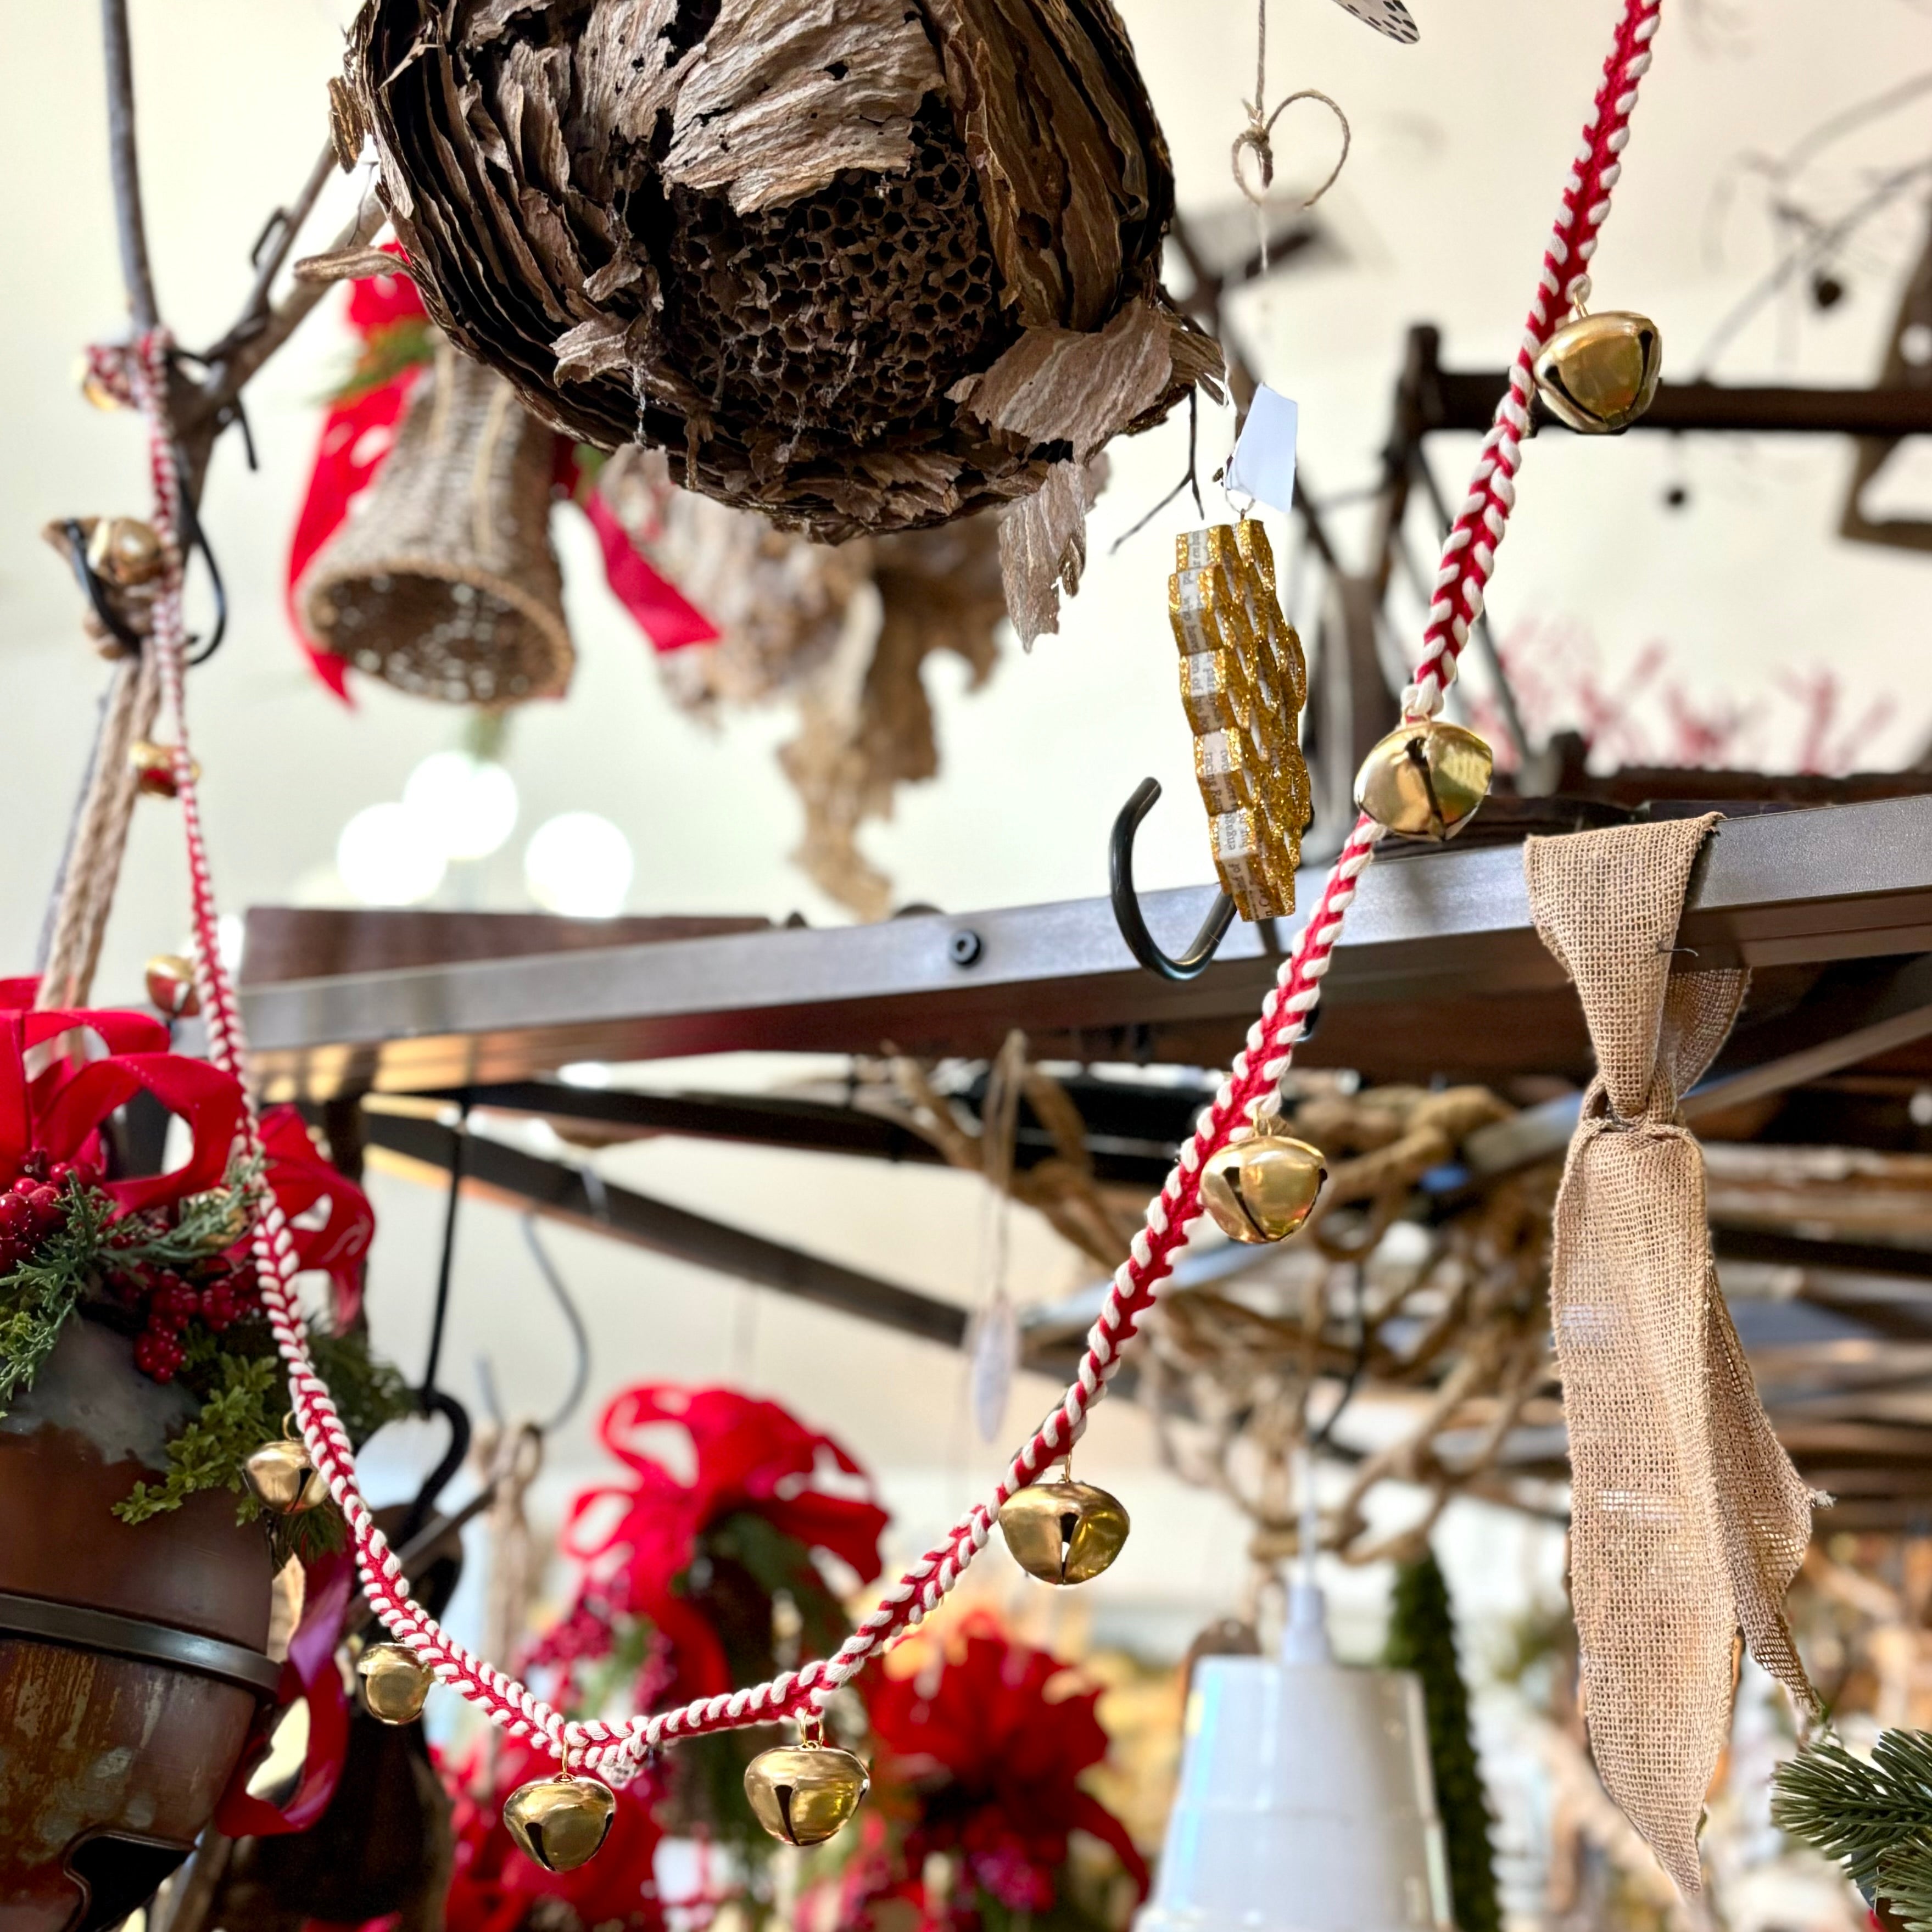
x=126, y=1653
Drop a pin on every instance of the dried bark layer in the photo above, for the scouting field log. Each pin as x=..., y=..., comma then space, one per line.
x=787, y=246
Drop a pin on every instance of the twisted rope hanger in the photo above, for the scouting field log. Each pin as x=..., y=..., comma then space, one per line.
x=617, y=1749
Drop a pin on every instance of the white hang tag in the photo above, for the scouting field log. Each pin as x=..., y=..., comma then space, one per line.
x=1263, y=464
x=996, y=1355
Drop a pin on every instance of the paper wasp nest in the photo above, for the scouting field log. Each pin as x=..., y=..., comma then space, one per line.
x=863, y=265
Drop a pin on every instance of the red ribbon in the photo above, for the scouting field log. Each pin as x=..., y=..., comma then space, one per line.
x=302, y=1182
x=749, y=1455
x=357, y=436
x=56, y=1096
x=309, y=1672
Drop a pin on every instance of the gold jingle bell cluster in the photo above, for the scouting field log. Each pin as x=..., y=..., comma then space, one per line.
x=1243, y=682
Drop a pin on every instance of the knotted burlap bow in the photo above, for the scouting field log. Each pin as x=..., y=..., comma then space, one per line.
x=1687, y=1520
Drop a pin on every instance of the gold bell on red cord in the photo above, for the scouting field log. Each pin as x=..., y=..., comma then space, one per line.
x=170, y=984
x=395, y=1687
x=1064, y=1532
x=1425, y=779
x=155, y=769
x=284, y=1478
x=1264, y=1188
x=560, y=1822
x=1598, y=373
x=806, y=1793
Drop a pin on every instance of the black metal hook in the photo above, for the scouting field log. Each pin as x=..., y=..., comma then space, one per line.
x=89, y=580
x=1206, y=943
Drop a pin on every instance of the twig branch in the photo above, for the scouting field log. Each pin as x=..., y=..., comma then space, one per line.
x=203, y=410
x=124, y=162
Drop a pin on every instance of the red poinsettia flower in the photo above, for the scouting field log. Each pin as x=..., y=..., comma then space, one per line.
x=495, y=1885
x=991, y=1740
x=746, y=1456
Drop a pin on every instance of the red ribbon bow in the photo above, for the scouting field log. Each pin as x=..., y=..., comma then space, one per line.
x=748, y=1455
x=56, y=1095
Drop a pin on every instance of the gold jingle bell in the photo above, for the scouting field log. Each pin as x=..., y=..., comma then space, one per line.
x=284, y=1478
x=1599, y=372
x=155, y=769
x=1063, y=1532
x=395, y=1687
x=1425, y=779
x=804, y=1793
x=560, y=1822
x=124, y=550
x=1264, y=1188
x=170, y=983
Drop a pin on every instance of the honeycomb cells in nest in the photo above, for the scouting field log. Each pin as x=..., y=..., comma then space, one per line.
x=853, y=309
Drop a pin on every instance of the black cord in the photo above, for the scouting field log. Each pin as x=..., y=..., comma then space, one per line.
x=458, y=1142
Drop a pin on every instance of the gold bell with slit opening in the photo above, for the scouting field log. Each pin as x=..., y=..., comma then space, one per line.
x=1263, y=1189
x=1425, y=779
x=168, y=978
x=805, y=1793
x=155, y=775
x=1599, y=372
x=1064, y=1532
x=560, y=1822
x=395, y=1687
x=284, y=1478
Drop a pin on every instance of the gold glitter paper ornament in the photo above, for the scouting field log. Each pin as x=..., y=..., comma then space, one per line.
x=1243, y=682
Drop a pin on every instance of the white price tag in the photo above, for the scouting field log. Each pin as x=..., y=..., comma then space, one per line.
x=1263, y=464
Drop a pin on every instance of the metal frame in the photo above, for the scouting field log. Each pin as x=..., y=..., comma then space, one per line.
x=1797, y=888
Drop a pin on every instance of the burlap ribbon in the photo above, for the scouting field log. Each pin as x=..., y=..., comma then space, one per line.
x=1688, y=1519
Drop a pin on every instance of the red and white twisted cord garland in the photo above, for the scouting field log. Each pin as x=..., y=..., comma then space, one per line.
x=616, y=1750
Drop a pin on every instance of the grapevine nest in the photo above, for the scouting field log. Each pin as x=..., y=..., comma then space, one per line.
x=864, y=267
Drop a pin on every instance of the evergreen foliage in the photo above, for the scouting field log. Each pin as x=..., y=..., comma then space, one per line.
x=1422, y=1638
x=1873, y=1817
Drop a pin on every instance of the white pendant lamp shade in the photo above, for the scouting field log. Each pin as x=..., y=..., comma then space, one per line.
x=1305, y=1805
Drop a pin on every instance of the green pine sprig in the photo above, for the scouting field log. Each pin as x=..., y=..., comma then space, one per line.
x=235, y=1421
x=1873, y=1817
x=38, y=1296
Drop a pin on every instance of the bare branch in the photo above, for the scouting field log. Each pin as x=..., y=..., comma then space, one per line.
x=125, y=163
